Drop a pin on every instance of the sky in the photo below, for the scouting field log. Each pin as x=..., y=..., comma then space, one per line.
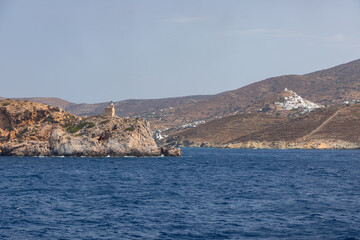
x=98, y=51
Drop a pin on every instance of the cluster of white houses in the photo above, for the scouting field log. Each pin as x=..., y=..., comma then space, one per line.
x=158, y=135
x=192, y=124
x=295, y=101
x=351, y=102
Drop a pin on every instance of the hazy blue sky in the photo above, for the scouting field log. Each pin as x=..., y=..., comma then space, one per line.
x=94, y=51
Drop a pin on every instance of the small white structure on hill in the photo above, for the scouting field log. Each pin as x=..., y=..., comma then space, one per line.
x=158, y=136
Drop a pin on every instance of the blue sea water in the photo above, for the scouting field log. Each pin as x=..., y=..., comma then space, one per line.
x=205, y=194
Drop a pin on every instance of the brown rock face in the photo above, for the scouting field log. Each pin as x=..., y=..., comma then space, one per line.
x=32, y=129
x=103, y=136
x=171, y=151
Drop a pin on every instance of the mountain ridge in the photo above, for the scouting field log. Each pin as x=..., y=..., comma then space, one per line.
x=326, y=87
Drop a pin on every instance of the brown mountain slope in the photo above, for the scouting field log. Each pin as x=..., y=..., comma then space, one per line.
x=220, y=131
x=333, y=124
x=327, y=87
x=290, y=129
x=134, y=107
x=125, y=108
x=56, y=102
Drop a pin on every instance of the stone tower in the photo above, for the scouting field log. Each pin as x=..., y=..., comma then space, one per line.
x=110, y=110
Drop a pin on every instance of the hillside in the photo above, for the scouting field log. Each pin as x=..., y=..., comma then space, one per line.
x=328, y=87
x=332, y=127
x=150, y=109
x=217, y=132
x=134, y=107
x=56, y=102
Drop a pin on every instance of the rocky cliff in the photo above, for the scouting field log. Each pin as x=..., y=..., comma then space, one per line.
x=34, y=129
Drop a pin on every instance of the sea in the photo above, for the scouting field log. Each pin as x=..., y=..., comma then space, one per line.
x=205, y=194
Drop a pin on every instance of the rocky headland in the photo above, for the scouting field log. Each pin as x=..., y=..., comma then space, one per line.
x=34, y=129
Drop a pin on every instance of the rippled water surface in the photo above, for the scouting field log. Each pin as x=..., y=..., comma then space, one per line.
x=206, y=194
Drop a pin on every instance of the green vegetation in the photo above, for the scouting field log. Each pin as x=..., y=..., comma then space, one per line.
x=130, y=129
x=66, y=123
x=34, y=130
x=74, y=128
x=78, y=127
x=11, y=128
x=5, y=104
x=104, y=122
x=50, y=119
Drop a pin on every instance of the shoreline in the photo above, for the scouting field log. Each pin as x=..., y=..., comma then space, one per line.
x=306, y=145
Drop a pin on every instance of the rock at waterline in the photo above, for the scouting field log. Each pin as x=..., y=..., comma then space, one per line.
x=171, y=151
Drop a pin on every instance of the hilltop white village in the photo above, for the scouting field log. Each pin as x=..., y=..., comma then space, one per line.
x=294, y=101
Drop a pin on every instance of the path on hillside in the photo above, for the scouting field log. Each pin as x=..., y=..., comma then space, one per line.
x=306, y=137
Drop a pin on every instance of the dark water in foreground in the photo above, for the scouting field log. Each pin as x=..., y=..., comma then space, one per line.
x=206, y=194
